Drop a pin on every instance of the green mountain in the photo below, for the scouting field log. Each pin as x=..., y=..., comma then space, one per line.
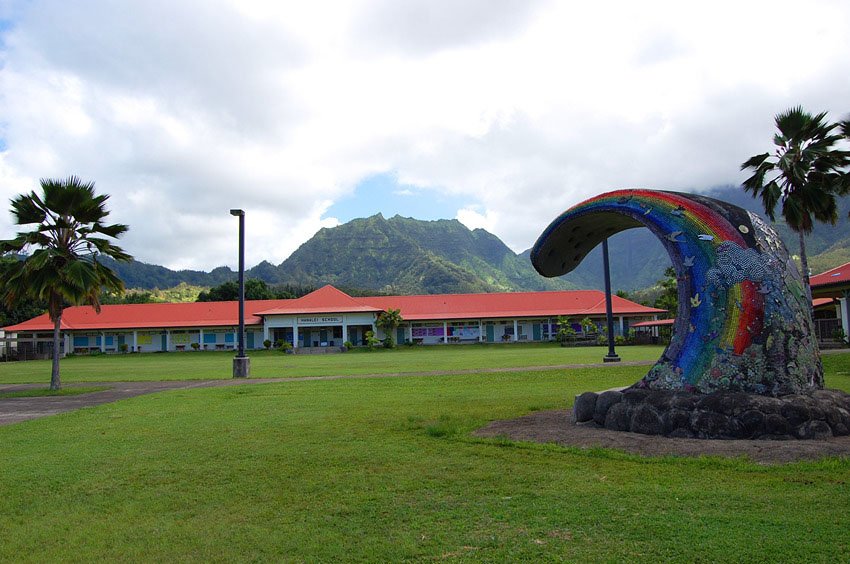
x=408, y=256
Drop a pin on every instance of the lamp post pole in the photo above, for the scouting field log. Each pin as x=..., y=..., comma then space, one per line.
x=241, y=363
x=609, y=314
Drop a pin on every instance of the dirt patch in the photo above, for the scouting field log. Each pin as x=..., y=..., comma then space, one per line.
x=558, y=427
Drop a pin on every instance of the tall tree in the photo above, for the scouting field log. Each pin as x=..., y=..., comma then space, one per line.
x=69, y=234
x=805, y=173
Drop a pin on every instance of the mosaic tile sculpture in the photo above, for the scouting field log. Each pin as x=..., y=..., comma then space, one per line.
x=743, y=322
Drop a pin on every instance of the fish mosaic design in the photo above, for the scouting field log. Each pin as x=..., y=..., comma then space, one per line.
x=743, y=322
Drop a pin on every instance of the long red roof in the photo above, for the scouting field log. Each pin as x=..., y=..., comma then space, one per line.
x=838, y=275
x=331, y=300
x=510, y=304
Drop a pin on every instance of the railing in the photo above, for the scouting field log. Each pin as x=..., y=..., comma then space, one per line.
x=826, y=329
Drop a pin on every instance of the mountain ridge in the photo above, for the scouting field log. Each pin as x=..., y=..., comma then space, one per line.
x=403, y=255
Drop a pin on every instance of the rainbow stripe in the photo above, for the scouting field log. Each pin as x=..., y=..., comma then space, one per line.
x=715, y=248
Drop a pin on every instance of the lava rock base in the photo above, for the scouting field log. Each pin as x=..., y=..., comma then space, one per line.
x=720, y=415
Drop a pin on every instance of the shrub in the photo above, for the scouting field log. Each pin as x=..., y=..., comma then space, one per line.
x=195, y=346
x=123, y=347
x=371, y=341
x=389, y=342
x=267, y=343
x=566, y=333
x=285, y=346
x=348, y=345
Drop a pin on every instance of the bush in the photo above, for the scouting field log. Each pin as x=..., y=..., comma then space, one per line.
x=839, y=335
x=285, y=346
x=123, y=347
x=348, y=345
x=195, y=346
x=267, y=343
x=371, y=341
x=566, y=333
x=619, y=340
x=389, y=342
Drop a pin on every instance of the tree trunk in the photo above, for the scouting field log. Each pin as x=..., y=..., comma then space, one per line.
x=804, y=265
x=54, y=373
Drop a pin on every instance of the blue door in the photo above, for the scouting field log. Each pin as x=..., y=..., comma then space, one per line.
x=250, y=340
x=164, y=342
x=491, y=333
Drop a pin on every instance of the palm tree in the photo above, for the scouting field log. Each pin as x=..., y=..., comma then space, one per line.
x=63, y=268
x=388, y=321
x=808, y=173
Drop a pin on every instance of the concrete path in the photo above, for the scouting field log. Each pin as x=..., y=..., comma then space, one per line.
x=14, y=410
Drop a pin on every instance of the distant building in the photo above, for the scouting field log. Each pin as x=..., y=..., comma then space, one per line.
x=834, y=284
x=326, y=317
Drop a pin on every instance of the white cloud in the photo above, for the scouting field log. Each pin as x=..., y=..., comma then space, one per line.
x=184, y=110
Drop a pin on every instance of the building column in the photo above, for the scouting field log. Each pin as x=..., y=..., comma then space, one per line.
x=167, y=340
x=844, y=304
x=103, y=341
x=480, y=331
x=66, y=339
x=516, y=333
x=236, y=338
x=135, y=341
x=344, y=330
x=622, y=327
x=294, y=333
x=445, y=332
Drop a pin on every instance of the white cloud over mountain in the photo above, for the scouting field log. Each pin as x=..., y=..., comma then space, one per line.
x=183, y=110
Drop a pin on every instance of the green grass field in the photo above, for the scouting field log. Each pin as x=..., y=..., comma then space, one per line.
x=274, y=364
x=385, y=469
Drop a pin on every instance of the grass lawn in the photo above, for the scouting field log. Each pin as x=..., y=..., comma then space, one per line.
x=42, y=392
x=274, y=364
x=386, y=470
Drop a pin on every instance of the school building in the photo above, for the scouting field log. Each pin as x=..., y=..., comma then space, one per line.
x=326, y=317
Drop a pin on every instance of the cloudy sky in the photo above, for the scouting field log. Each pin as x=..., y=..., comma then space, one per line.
x=499, y=113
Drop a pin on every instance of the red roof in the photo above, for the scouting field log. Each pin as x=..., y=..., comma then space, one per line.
x=324, y=300
x=818, y=302
x=510, y=304
x=331, y=300
x=144, y=316
x=655, y=323
x=838, y=275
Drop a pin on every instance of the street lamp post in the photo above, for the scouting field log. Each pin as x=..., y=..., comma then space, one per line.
x=609, y=314
x=241, y=364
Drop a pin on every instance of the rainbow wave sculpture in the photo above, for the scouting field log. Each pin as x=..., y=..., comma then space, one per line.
x=743, y=323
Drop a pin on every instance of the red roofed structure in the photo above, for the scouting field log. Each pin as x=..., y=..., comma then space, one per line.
x=326, y=317
x=833, y=283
